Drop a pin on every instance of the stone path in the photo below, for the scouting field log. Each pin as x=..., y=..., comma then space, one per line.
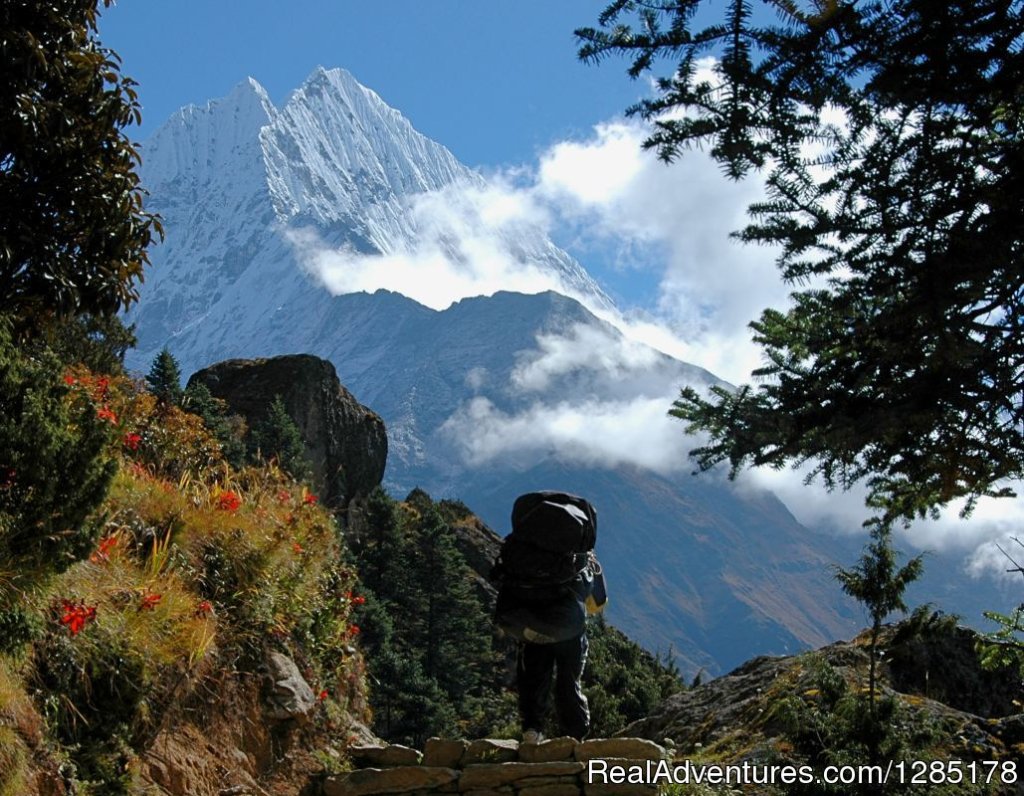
x=557, y=767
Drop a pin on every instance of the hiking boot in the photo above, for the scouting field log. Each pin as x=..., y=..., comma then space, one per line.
x=532, y=736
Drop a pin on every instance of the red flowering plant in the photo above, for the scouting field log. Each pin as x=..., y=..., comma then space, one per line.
x=355, y=599
x=149, y=601
x=102, y=553
x=228, y=501
x=76, y=615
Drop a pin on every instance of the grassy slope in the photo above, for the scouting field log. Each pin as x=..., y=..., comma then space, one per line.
x=200, y=570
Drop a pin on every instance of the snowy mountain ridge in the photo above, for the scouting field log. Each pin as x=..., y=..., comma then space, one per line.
x=236, y=178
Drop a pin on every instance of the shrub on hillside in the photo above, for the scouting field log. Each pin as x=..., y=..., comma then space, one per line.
x=55, y=466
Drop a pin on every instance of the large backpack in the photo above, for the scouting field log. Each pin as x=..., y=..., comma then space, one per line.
x=552, y=532
x=542, y=567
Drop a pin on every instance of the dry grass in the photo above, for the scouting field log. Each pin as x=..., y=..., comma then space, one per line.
x=20, y=731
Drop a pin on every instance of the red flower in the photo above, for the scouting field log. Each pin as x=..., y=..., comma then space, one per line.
x=76, y=615
x=322, y=695
x=355, y=599
x=297, y=547
x=149, y=601
x=101, y=387
x=103, y=551
x=283, y=496
x=353, y=630
x=106, y=413
x=308, y=499
x=131, y=441
x=69, y=379
x=228, y=501
x=205, y=608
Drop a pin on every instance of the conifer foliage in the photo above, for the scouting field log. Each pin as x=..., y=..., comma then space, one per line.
x=164, y=379
x=890, y=136
x=278, y=438
x=428, y=635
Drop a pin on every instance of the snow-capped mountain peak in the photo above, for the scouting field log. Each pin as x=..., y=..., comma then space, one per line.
x=235, y=178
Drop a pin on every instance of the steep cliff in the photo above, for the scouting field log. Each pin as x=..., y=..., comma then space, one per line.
x=345, y=442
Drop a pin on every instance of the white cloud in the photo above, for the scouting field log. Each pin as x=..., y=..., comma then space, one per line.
x=845, y=512
x=709, y=285
x=585, y=349
x=999, y=558
x=588, y=433
x=465, y=245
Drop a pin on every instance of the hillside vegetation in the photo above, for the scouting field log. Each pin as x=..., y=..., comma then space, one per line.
x=193, y=571
x=151, y=613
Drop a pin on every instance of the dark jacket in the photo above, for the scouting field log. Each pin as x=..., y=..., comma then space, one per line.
x=545, y=615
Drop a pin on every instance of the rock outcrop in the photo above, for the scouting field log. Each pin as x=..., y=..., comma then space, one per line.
x=931, y=670
x=346, y=443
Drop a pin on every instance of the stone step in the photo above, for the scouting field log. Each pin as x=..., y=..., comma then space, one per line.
x=555, y=767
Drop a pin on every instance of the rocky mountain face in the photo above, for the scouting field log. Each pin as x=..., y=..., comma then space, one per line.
x=472, y=396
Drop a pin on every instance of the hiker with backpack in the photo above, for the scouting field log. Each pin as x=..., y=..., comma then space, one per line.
x=549, y=580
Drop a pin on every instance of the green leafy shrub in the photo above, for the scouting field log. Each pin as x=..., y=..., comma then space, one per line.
x=55, y=465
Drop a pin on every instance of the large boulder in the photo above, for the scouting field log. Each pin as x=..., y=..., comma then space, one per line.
x=346, y=443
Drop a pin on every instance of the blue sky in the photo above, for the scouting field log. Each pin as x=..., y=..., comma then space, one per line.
x=495, y=81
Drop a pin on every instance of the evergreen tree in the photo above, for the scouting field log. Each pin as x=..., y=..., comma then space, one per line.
x=876, y=583
x=900, y=363
x=164, y=379
x=230, y=430
x=447, y=624
x=73, y=234
x=277, y=437
x=381, y=565
x=437, y=634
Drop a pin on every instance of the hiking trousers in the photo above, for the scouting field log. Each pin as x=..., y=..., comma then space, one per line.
x=536, y=664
